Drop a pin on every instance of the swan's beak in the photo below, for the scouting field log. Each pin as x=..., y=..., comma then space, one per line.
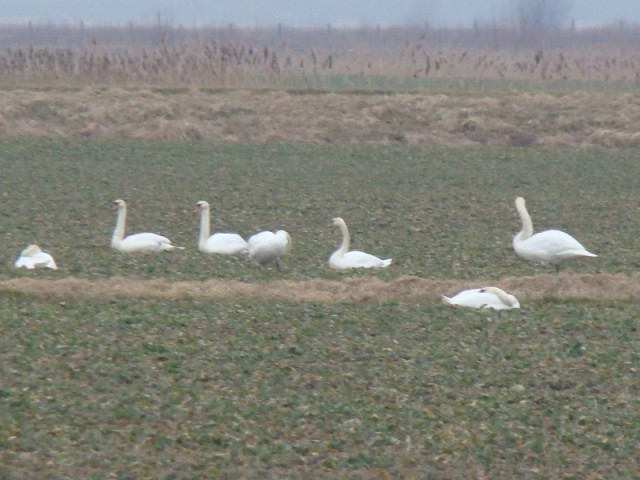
x=196, y=208
x=114, y=206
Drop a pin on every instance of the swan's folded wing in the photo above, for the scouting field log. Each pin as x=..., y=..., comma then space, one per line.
x=227, y=243
x=45, y=260
x=357, y=259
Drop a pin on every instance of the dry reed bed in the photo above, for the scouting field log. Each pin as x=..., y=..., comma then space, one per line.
x=598, y=287
x=269, y=62
x=574, y=119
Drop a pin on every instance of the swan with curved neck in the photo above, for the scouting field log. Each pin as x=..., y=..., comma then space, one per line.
x=221, y=243
x=33, y=257
x=551, y=247
x=266, y=247
x=343, y=259
x=483, y=298
x=140, y=242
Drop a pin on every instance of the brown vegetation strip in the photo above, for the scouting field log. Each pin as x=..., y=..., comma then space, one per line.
x=597, y=287
x=415, y=119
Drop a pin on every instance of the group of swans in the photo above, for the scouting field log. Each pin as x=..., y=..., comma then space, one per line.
x=550, y=247
x=262, y=248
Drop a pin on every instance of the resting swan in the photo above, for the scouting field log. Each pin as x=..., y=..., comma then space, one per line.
x=140, y=242
x=550, y=247
x=266, y=247
x=483, y=298
x=33, y=257
x=222, y=243
x=342, y=259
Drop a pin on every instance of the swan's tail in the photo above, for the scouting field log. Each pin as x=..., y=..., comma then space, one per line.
x=386, y=263
x=446, y=299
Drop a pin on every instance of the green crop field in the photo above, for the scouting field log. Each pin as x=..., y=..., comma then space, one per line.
x=186, y=386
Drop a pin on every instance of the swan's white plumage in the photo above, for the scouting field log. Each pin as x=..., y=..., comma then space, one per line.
x=266, y=247
x=550, y=247
x=220, y=243
x=342, y=259
x=137, y=243
x=483, y=298
x=33, y=257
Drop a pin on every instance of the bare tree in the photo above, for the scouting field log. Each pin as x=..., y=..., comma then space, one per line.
x=539, y=14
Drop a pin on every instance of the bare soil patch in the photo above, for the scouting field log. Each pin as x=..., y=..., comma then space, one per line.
x=416, y=119
x=600, y=287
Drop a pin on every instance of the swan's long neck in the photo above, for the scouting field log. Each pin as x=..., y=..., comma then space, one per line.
x=504, y=297
x=346, y=239
x=205, y=227
x=118, y=233
x=527, y=224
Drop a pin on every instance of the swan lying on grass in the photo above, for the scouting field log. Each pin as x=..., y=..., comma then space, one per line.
x=342, y=259
x=551, y=247
x=221, y=243
x=266, y=247
x=139, y=242
x=483, y=298
x=33, y=257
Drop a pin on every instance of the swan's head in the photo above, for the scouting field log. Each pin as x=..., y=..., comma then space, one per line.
x=519, y=202
x=505, y=298
x=119, y=204
x=201, y=206
x=336, y=222
x=30, y=250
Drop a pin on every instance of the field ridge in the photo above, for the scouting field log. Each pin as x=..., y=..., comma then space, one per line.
x=576, y=119
x=600, y=287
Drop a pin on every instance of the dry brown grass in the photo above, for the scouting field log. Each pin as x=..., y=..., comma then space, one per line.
x=522, y=119
x=600, y=287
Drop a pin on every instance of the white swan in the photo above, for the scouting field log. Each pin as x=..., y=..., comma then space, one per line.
x=266, y=247
x=222, y=243
x=342, y=259
x=139, y=242
x=33, y=257
x=550, y=247
x=483, y=298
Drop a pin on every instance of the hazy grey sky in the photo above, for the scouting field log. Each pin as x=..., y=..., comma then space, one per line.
x=294, y=12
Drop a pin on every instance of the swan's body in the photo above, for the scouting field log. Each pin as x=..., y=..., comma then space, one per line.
x=342, y=259
x=483, y=298
x=221, y=243
x=33, y=257
x=550, y=247
x=139, y=242
x=266, y=247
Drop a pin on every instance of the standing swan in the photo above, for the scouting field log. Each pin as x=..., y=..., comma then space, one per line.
x=140, y=242
x=551, y=247
x=483, y=298
x=32, y=257
x=342, y=259
x=266, y=247
x=222, y=243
